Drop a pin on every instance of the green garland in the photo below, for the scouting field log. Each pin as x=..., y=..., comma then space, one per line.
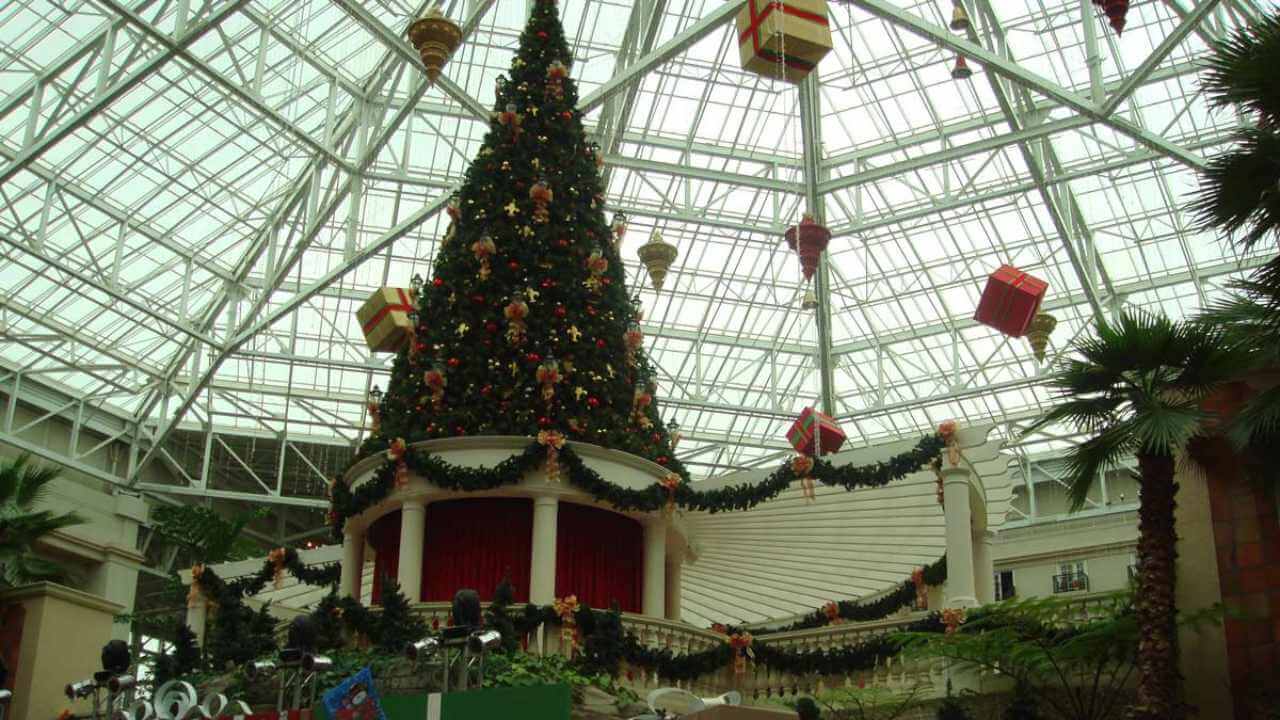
x=222, y=592
x=345, y=503
x=878, y=609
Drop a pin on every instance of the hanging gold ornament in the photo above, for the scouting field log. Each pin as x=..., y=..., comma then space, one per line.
x=435, y=37
x=959, y=18
x=810, y=301
x=657, y=256
x=1042, y=325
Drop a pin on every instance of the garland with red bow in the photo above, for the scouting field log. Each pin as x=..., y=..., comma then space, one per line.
x=659, y=496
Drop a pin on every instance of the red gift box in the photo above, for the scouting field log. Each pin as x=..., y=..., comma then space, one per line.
x=1010, y=300
x=803, y=429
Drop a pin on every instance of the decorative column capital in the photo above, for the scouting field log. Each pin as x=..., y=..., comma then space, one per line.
x=545, y=500
x=956, y=474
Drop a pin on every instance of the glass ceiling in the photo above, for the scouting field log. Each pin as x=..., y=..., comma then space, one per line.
x=197, y=194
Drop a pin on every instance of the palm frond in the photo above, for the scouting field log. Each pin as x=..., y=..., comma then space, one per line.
x=1164, y=428
x=1239, y=193
x=1242, y=70
x=35, y=484
x=1088, y=460
x=1258, y=422
x=11, y=472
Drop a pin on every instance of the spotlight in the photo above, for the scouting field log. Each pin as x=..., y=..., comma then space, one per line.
x=74, y=690
x=259, y=669
x=316, y=663
x=122, y=682
x=424, y=648
x=482, y=641
x=115, y=657
x=5, y=696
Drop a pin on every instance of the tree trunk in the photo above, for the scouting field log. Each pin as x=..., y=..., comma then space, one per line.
x=1159, y=682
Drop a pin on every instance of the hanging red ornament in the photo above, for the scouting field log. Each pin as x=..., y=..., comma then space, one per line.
x=548, y=283
x=600, y=343
x=533, y=357
x=438, y=282
x=454, y=362
x=513, y=265
x=593, y=402
x=491, y=327
x=1116, y=11
x=561, y=311
x=808, y=240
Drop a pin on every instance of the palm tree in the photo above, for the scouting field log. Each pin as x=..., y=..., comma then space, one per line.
x=1136, y=389
x=22, y=486
x=1240, y=196
x=1239, y=192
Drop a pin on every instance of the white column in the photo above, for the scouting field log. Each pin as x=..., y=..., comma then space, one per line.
x=197, y=617
x=352, y=564
x=960, y=582
x=655, y=568
x=675, y=574
x=984, y=568
x=542, y=568
x=413, y=531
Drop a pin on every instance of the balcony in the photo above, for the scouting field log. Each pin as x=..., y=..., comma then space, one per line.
x=1070, y=582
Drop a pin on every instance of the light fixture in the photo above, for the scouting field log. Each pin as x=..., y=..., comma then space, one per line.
x=959, y=18
x=5, y=696
x=259, y=669
x=482, y=641
x=810, y=301
x=316, y=663
x=424, y=648
x=84, y=688
x=961, y=70
x=122, y=682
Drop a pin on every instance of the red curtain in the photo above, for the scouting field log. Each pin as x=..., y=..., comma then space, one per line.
x=384, y=536
x=599, y=557
x=474, y=543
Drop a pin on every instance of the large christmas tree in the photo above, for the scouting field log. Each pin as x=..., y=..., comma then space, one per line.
x=526, y=324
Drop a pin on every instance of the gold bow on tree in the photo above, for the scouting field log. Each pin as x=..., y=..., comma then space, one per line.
x=193, y=595
x=741, y=644
x=922, y=590
x=396, y=453
x=671, y=482
x=566, y=608
x=953, y=618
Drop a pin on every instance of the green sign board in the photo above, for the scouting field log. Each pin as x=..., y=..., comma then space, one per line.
x=541, y=702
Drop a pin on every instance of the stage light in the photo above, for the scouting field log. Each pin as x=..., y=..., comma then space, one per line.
x=259, y=669
x=116, y=657
x=74, y=690
x=482, y=641
x=316, y=663
x=5, y=696
x=122, y=682
x=424, y=648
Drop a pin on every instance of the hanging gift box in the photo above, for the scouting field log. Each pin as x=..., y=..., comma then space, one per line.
x=812, y=423
x=783, y=40
x=1010, y=301
x=384, y=318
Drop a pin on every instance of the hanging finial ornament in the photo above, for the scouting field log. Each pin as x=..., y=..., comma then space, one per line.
x=435, y=37
x=619, y=227
x=810, y=301
x=808, y=240
x=657, y=256
x=959, y=18
x=961, y=70
x=1042, y=325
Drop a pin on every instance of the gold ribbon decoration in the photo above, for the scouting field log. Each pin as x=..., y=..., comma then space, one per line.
x=566, y=608
x=801, y=466
x=741, y=644
x=922, y=590
x=634, y=338
x=548, y=375
x=556, y=73
x=276, y=558
x=948, y=429
x=541, y=196
x=435, y=382
x=483, y=249
x=515, y=312
x=641, y=400
x=832, y=611
x=953, y=618
x=671, y=482
x=194, y=593
x=395, y=453
x=511, y=119
x=553, y=440
x=596, y=267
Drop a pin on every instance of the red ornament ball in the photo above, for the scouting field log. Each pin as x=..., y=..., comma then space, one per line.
x=533, y=357
x=591, y=310
x=567, y=115
x=593, y=402
x=486, y=390
x=491, y=326
x=477, y=299
x=542, y=34
x=513, y=265
x=662, y=460
x=548, y=283
x=600, y=343
x=459, y=430
x=454, y=362
x=438, y=282
x=544, y=421
x=561, y=311
x=563, y=242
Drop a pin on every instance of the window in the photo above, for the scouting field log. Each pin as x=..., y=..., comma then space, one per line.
x=1071, y=577
x=1133, y=567
x=1004, y=585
